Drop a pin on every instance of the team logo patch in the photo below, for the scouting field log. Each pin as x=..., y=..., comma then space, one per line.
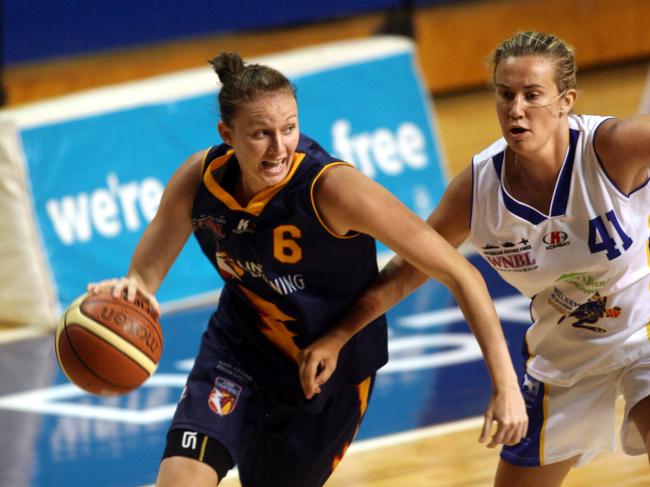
x=214, y=224
x=223, y=397
x=589, y=313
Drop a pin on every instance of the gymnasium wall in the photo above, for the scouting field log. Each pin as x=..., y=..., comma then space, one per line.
x=53, y=48
x=455, y=40
x=42, y=29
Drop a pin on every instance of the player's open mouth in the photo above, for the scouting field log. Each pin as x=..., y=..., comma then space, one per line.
x=517, y=130
x=271, y=165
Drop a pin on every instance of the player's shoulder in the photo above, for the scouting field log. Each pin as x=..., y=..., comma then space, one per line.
x=313, y=151
x=586, y=123
x=487, y=154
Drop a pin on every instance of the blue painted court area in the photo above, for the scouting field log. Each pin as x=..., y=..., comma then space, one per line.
x=55, y=435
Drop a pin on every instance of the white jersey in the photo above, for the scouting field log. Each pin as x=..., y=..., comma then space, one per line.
x=585, y=264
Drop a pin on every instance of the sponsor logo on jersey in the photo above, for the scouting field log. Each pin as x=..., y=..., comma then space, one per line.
x=244, y=226
x=189, y=440
x=223, y=397
x=584, y=282
x=510, y=256
x=212, y=223
x=228, y=267
x=231, y=268
x=562, y=303
x=589, y=313
x=555, y=239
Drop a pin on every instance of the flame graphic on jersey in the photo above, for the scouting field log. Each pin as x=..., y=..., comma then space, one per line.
x=363, y=390
x=228, y=267
x=272, y=325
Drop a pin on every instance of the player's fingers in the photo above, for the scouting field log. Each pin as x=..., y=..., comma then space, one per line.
x=510, y=436
x=119, y=286
x=97, y=287
x=324, y=372
x=487, y=426
x=132, y=290
x=308, y=369
x=521, y=431
x=515, y=432
x=154, y=303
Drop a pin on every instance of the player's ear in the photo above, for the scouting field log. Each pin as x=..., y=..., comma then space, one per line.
x=568, y=100
x=225, y=132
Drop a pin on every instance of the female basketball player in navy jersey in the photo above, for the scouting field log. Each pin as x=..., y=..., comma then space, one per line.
x=572, y=191
x=291, y=231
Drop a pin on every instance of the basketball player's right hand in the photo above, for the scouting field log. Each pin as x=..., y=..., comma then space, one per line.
x=507, y=409
x=317, y=362
x=117, y=286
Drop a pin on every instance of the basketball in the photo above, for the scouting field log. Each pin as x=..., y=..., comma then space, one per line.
x=107, y=345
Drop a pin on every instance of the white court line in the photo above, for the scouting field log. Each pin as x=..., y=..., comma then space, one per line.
x=387, y=441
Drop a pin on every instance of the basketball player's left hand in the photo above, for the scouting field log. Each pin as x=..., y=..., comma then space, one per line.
x=317, y=362
x=129, y=284
x=508, y=409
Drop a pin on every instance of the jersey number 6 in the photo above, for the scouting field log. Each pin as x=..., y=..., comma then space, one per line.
x=285, y=248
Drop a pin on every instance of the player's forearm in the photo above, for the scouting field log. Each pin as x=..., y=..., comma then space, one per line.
x=395, y=281
x=474, y=300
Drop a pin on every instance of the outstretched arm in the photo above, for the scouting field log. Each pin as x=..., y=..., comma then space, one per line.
x=163, y=238
x=367, y=207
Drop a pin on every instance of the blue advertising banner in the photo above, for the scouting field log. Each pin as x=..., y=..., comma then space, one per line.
x=98, y=163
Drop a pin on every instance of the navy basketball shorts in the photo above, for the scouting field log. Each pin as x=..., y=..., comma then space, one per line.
x=226, y=417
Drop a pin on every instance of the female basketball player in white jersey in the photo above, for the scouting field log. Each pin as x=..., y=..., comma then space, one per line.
x=559, y=206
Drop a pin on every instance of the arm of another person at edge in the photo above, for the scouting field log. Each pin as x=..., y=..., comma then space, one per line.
x=164, y=237
x=623, y=146
x=349, y=201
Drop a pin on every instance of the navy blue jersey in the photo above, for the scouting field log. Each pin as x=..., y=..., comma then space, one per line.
x=287, y=277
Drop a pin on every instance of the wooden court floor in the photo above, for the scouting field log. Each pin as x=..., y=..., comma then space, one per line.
x=447, y=455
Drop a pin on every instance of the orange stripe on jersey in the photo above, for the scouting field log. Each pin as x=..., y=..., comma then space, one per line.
x=364, y=392
x=273, y=326
x=313, y=202
x=363, y=389
x=259, y=201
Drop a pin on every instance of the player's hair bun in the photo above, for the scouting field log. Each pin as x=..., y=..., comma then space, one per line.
x=227, y=65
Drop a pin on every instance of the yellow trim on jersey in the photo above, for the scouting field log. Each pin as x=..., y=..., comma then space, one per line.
x=647, y=247
x=203, y=445
x=259, y=201
x=313, y=203
x=542, y=432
